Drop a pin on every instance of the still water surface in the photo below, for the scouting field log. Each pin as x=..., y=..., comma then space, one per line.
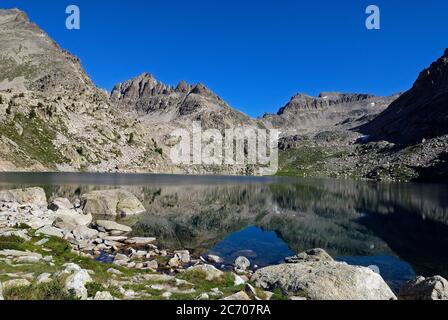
x=402, y=229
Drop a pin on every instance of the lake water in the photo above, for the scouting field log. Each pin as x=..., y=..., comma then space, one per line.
x=400, y=229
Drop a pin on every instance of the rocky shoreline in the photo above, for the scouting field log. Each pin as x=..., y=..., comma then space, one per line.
x=64, y=250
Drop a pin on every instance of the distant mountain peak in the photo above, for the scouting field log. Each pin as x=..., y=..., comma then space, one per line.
x=302, y=102
x=146, y=85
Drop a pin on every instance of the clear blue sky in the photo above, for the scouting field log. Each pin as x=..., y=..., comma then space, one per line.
x=254, y=53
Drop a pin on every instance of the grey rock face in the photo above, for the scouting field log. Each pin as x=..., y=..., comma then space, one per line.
x=418, y=114
x=324, y=100
x=435, y=288
x=324, y=280
x=31, y=60
x=304, y=114
x=146, y=95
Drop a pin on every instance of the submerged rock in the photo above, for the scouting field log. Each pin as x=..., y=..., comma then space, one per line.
x=112, y=203
x=435, y=288
x=214, y=259
x=28, y=196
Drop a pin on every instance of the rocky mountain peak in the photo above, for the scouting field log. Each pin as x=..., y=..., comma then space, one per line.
x=14, y=14
x=31, y=60
x=303, y=102
x=420, y=113
x=183, y=87
x=202, y=90
x=435, y=77
x=145, y=86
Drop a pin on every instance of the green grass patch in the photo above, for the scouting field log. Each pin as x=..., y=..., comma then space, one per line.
x=36, y=140
x=53, y=290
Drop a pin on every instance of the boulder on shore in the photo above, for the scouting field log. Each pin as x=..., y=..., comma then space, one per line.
x=28, y=196
x=324, y=280
x=76, y=282
x=113, y=226
x=210, y=272
x=60, y=203
x=112, y=203
x=70, y=219
x=434, y=288
x=241, y=263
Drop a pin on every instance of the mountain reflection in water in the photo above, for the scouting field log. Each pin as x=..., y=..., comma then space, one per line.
x=270, y=218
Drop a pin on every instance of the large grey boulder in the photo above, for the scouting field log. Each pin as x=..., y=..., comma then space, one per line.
x=28, y=196
x=112, y=226
x=324, y=280
x=70, y=219
x=60, y=203
x=51, y=232
x=241, y=263
x=211, y=273
x=84, y=233
x=76, y=283
x=112, y=203
x=435, y=288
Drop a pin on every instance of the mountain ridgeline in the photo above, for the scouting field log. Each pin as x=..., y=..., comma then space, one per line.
x=420, y=113
x=53, y=118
